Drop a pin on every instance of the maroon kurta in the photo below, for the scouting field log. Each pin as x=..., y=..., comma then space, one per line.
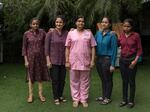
x=33, y=48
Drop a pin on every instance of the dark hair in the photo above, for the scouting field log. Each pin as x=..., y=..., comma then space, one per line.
x=109, y=20
x=35, y=18
x=77, y=17
x=62, y=17
x=130, y=21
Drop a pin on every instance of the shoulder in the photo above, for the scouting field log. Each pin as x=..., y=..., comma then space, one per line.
x=26, y=33
x=137, y=35
x=42, y=31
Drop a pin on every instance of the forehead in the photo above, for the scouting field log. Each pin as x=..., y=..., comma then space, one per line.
x=126, y=24
x=35, y=21
x=105, y=20
x=80, y=19
x=59, y=19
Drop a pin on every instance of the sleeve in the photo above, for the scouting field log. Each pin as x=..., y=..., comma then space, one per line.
x=139, y=46
x=114, y=50
x=93, y=41
x=47, y=43
x=24, y=45
x=68, y=40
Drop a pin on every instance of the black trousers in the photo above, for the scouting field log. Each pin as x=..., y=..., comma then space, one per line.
x=58, y=74
x=128, y=79
x=103, y=68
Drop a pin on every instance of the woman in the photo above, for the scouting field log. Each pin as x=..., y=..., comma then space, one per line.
x=131, y=50
x=35, y=61
x=55, y=55
x=80, y=52
x=106, y=52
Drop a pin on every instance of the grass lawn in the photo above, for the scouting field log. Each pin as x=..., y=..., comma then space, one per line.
x=13, y=93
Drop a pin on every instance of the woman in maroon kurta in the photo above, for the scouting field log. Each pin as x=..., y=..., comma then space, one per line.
x=35, y=61
x=131, y=50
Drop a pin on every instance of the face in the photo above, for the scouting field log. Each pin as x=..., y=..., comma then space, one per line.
x=35, y=24
x=127, y=27
x=80, y=23
x=59, y=23
x=105, y=23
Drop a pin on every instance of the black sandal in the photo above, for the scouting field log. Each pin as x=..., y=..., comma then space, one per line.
x=62, y=99
x=130, y=105
x=105, y=101
x=99, y=98
x=123, y=103
x=56, y=102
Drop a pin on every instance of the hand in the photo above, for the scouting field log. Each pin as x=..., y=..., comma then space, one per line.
x=49, y=65
x=112, y=69
x=92, y=64
x=132, y=65
x=67, y=65
x=26, y=64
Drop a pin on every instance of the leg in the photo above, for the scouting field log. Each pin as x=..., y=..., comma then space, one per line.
x=30, y=85
x=62, y=76
x=75, y=85
x=125, y=79
x=54, y=72
x=42, y=98
x=99, y=70
x=84, y=85
x=132, y=76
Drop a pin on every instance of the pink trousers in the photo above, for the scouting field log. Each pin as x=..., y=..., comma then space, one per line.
x=79, y=84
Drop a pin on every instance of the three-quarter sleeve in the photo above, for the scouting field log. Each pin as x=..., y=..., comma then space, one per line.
x=139, y=46
x=24, y=45
x=47, y=44
x=114, y=50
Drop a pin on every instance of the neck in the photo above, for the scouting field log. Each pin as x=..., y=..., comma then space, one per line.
x=59, y=30
x=80, y=29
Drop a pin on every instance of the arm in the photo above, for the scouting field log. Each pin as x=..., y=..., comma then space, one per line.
x=47, y=49
x=93, y=57
x=114, y=50
x=24, y=50
x=67, y=52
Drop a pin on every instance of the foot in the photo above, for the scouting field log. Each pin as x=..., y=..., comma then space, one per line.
x=99, y=98
x=105, y=101
x=30, y=99
x=130, y=105
x=57, y=102
x=85, y=104
x=123, y=103
x=62, y=99
x=75, y=104
x=42, y=98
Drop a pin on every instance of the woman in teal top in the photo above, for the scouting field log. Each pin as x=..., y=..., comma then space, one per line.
x=106, y=52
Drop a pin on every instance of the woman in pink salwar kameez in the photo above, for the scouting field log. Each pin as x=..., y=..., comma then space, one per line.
x=80, y=53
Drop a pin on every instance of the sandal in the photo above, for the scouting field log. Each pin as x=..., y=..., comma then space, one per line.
x=30, y=99
x=123, y=103
x=106, y=101
x=75, y=104
x=130, y=105
x=62, y=99
x=42, y=98
x=99, y=98
x=85, y=104
x=57, y=102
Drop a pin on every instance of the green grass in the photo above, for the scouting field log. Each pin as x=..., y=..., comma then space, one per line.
x=13, y=93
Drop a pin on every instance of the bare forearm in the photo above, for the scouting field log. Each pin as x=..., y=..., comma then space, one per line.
x=93, y=54
x=67, y=52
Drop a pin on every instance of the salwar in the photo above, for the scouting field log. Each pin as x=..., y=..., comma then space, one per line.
x=58, y=74
x=80, y=84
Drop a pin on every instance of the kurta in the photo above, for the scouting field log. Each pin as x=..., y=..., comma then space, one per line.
x=80, y=49
x=33, y=48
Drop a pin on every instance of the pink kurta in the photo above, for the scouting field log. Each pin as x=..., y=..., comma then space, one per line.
x=80, y=49
x=80, y=44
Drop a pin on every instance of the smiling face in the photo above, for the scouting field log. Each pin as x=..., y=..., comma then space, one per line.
x=105, y=23
x=59, y=23
x=34, y=24
x=80, y=23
